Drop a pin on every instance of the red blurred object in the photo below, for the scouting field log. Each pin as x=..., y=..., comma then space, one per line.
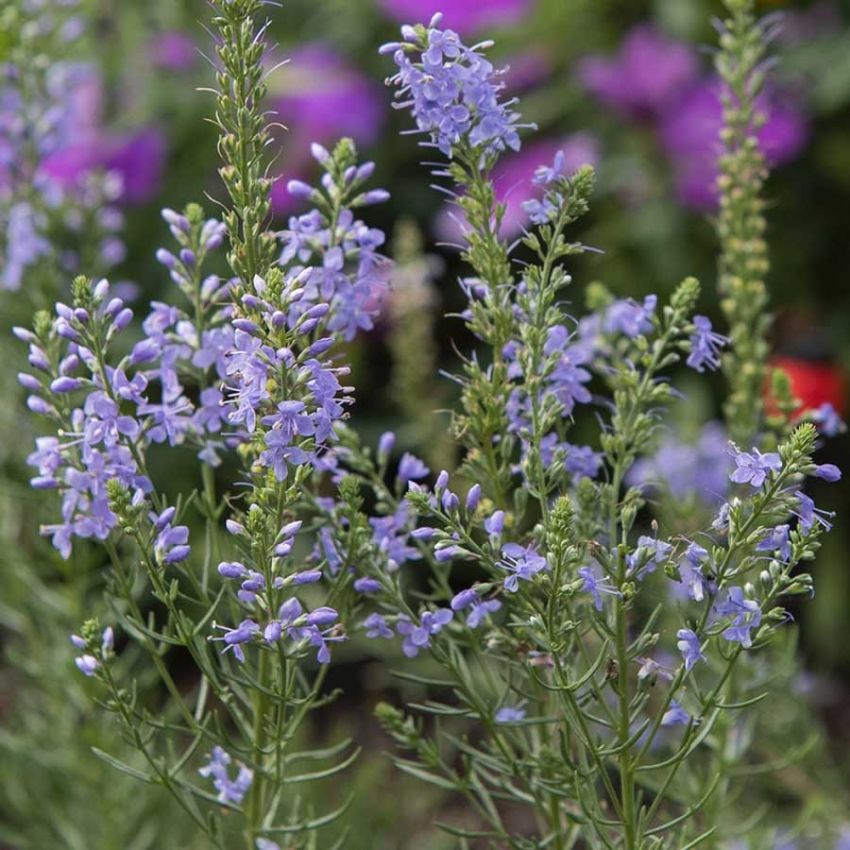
x=814, y=382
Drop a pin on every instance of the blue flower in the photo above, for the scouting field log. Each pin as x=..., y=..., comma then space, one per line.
x=827, y=418
x=705, y=345
x=595, y=584
x=828, y=472
x=648, y=555
x=376, y=626
x=509, y=714
x=630, y=318
x=410, y=468
x=172, y=542
x=745, y=614
x=809, y=514
x=691, y=569
x=452, y=92
x=234, y=638
x=753, y=467
x=494, y=524
x=675, y=715
x=230, y=791
x=690, y=647
x=479, y=609
x=418, y=637
x=523, y=563
x=777, y=540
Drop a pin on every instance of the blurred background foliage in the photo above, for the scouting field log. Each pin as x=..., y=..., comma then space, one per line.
x=623, y=84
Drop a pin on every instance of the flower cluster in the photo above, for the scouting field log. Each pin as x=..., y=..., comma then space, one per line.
x=451, y=91
x=260, y=586
x=97, y=440
x=109, y=413
x=334, y=255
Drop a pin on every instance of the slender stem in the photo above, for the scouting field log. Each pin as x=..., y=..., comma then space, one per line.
x=254, y=814
x=145, y=641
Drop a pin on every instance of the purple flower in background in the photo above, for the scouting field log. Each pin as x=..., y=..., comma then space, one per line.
x=465, y=16
x=630, y=318
x=646, y=76
x=137, y=159
x=844, y=839
x=526, y=69
x=675, y=715
x=582, y=461
x=24, y=245
x=410, y=468
x=231, y=791
x=320, y=97
x=753, y=467
x=173, y=50
x=686, y=468
x=509, y=714
x=690, y=136
x=827, y=419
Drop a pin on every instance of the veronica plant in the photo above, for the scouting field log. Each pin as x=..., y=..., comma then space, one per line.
x=239, y=369
x=563, y=690
x=583, y=649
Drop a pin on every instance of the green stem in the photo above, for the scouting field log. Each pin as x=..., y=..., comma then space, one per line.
x=255, y=804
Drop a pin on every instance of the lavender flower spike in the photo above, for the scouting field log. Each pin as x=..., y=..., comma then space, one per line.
x=452, y=92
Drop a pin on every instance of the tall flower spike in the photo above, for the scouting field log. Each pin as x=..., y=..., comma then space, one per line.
x=741, y=224
x=244, y=134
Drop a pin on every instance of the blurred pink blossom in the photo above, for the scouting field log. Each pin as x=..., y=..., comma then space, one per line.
x=462, y=15
x=690, y=137
x=173, y=51
x=513, y=181
x=137, y=158
x=646, y=76
x=319, y=97
x=525, y=70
